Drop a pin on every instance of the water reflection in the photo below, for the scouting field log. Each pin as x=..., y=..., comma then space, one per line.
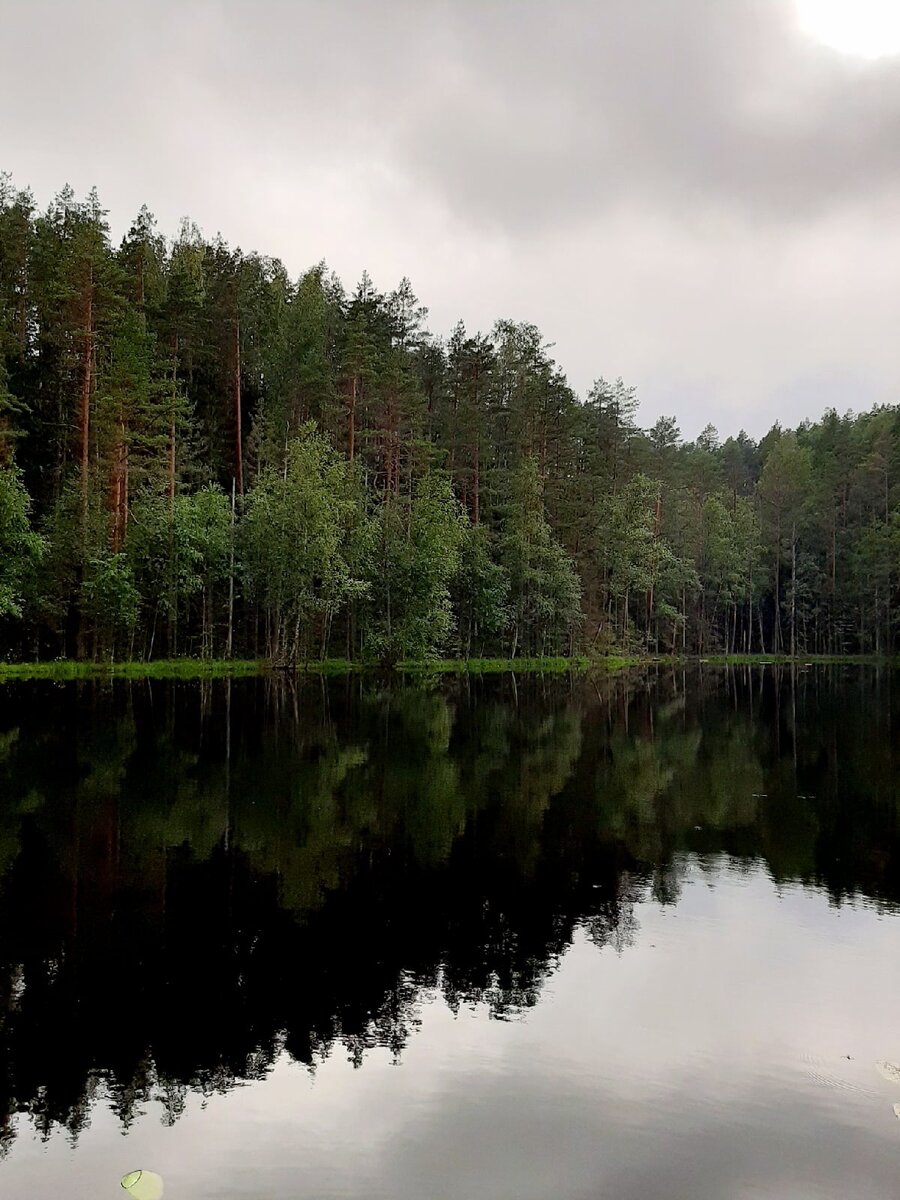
x=195, y=879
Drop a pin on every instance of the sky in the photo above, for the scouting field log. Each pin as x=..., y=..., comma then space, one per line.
x=699, y=196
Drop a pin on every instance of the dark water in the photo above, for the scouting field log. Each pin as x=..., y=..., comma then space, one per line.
x=476, y=940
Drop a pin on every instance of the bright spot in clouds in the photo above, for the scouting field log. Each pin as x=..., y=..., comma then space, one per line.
x=865, y=28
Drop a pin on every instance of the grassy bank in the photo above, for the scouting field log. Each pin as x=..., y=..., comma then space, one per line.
x=801, y=660
x=176, y=668
x=193, y=668
x=494, y=666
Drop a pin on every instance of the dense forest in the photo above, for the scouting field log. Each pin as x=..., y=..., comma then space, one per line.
x=202, y=456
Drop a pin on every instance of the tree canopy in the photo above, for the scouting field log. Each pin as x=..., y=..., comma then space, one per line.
x=201, y=455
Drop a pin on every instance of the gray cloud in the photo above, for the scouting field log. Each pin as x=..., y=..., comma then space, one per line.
x=643, y=102
x=687, y=192
x=527, y=114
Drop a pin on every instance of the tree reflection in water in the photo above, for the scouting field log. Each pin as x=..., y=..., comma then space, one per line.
x=195, y=878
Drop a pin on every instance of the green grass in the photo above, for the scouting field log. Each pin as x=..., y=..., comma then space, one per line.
x=740, y=660
x=323, y=666
x=470, y=666
x=493, y=666
x=195, y=668
x=177, y=668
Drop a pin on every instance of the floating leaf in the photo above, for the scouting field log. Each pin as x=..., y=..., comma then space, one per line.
x=143, y=1185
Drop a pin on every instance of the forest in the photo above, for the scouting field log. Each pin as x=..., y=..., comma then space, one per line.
x=201, y=456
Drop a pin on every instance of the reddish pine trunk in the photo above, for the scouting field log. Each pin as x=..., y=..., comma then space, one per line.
x=391, y=450
x=86, y=381
x=170, y=481
x=475, y=483
x=20, y=322
x=238, y=444
x=125, y=484
x=115, y=500
x=776, y=635
x=476, y=478
x=22, y=292
x=351, y=421
x=119, y=499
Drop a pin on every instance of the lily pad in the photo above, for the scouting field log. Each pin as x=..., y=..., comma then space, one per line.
x=143, y=1185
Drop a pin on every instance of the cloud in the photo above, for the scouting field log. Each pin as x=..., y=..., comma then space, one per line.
x=691, y=194
x=527, y=116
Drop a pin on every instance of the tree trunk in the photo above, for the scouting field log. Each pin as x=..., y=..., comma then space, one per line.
x=119, y=498
x=229, y=645
x=684, y=621
x=476, y=483
x=236, y=385
x=170, y=481
x=793, y=591
x=776, y=632
x=87, y=359
x=833, y=577
x=351, y=421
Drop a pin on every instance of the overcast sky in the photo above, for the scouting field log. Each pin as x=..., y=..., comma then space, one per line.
x=692, y=194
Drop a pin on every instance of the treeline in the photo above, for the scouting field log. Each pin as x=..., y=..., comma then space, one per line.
x=200, y=455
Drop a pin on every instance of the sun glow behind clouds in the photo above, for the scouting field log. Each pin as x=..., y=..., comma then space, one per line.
x=864, y=28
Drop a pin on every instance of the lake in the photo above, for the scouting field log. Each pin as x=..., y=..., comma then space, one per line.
x=494, y=938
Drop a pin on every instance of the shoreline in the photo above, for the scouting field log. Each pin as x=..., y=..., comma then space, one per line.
x=190, y=669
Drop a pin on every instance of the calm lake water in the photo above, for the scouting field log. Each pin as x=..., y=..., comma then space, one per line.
x=482, y=939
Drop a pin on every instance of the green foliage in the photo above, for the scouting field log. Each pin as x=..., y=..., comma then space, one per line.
x=295, y=536
x=480, y=590
x=545, y=591
x=110, y=596
x=452, y=498
x=418, y=554
x=179, y=552
x=20, y=547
